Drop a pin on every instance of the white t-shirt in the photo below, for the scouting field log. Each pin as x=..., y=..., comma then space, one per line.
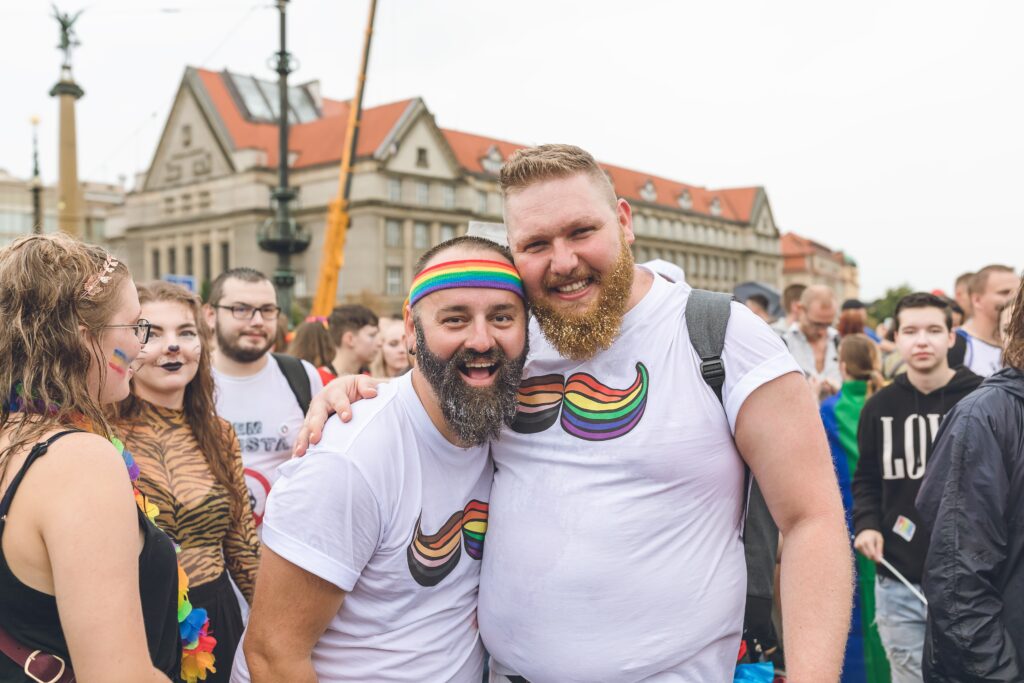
x=982, y=358
x=614, y=550
x=266, y=417
x=388, y=510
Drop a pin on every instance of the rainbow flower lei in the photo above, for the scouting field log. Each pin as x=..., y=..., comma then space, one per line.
x=193, y=625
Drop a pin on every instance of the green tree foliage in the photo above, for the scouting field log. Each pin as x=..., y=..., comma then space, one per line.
x=886, y=306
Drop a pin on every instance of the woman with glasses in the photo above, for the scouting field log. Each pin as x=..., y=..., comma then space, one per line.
x=190, y=462
x=88, y=585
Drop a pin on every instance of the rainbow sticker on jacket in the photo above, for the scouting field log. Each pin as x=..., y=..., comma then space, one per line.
x=433, y=557
x=540, y=400
x=596, y=412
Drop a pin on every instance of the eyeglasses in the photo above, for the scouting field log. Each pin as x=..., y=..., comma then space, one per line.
x=142, y=329
x=247, y=312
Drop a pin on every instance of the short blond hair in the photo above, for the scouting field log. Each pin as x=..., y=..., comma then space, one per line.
x=531, y=165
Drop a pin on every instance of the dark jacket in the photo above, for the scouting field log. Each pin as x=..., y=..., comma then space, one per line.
x=889, y=475
x=972, y=499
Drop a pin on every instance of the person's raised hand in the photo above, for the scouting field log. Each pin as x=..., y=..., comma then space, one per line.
x=869, y=543
x=337, y=397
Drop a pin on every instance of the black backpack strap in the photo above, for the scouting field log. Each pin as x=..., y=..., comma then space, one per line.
x=297, y=378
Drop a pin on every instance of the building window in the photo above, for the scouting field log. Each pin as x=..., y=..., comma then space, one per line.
x=716, y=207
x=225, y=256
x=186, y=135
x=447, y=232
x=169, y=206
x=394, y=281
x=448, y=196
x=207, y=263
x=420, y=236
x=204, y=200
x=648, y=192
x=156, y=264
x=186, y=203
x=421, y=157
x=422, y=193
x=394, y=190
x=481, y=201
x=493, y=161
x=685, y=200
x=172, y=261
x=393, y=233
x=189, y=256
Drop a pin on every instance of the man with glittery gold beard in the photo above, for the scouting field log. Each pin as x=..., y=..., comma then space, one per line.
x=614, y=548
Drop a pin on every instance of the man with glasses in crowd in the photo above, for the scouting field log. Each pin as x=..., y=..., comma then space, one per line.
x=813, y=341
x=253, y=389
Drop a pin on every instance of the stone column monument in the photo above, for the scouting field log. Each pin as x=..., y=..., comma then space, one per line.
x=70, y=214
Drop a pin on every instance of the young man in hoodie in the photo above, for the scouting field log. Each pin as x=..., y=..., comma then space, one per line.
x=972, y=501
x=897, y=429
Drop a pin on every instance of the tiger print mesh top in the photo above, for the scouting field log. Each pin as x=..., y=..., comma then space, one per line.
x=195, y=510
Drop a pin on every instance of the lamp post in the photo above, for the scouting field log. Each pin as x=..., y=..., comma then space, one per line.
x=37, y=183
x=281, y=235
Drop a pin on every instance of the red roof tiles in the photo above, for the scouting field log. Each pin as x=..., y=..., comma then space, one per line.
x=321, y=142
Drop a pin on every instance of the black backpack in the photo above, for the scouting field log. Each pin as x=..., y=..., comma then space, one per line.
x=707, y=316
x=297, y=378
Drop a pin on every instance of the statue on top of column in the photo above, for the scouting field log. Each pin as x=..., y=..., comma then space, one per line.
x=68, y=39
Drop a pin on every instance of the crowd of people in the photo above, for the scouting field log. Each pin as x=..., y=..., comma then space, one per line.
x=554, y=464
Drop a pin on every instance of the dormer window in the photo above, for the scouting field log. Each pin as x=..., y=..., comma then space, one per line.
x=648, y=192
x=716, y=207
x=421, y=157
x=685, y=200
x=492, y=161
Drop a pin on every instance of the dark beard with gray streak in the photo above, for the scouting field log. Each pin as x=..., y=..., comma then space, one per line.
x=475, y=414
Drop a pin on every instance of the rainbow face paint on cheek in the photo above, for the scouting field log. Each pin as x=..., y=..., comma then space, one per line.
x=118, y=362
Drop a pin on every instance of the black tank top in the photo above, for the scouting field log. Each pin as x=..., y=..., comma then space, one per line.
x=31, y=617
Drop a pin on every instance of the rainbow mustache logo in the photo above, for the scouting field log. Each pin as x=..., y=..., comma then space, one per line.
x=433, y=557
x=589, y=409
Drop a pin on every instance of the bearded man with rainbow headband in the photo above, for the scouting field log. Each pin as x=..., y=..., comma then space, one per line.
x=372, y=548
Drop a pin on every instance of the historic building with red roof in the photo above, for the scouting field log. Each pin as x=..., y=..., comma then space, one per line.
x=197, y=209
x=807, y=262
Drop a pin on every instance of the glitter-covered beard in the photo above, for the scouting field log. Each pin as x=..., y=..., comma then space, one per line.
x=475, y=414
x=582, y=335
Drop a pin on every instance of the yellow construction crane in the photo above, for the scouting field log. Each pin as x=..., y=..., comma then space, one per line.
x=337, y=215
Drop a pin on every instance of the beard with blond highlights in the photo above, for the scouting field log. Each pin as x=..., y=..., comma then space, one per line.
x=582, y=335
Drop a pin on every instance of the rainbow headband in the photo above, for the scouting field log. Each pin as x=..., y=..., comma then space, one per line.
x=468, y=273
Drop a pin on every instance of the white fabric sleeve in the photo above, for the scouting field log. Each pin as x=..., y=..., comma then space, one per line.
x=323, y=516
x=315, y=383
x=754, y=355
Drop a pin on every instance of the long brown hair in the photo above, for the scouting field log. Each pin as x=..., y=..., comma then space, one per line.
x=52, y=287
x=312, y=343
x=200, y=410
x=1013, y=356
x=863, y=360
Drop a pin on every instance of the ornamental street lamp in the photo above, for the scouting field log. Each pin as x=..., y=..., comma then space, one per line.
x=281, y=235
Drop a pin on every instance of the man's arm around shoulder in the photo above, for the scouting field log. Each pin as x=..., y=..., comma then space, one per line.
x=780, y=436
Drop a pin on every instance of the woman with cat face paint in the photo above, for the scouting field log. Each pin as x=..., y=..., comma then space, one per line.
x=190, y=462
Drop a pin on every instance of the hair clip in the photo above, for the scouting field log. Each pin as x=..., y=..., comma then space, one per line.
x=95, y=283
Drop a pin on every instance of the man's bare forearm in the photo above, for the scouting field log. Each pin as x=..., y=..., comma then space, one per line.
x=279, y=668
x=817, y=592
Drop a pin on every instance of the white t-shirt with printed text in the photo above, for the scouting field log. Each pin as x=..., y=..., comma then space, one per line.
x=614, y=550
x=266, y=416
x=386, y=509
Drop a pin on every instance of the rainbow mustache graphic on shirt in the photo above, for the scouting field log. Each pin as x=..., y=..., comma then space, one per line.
x=589, y=409
x=433, y=557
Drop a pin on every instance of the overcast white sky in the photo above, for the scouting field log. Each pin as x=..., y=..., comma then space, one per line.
x=892, y=130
